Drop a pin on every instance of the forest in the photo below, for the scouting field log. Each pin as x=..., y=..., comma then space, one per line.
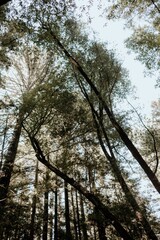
x=73, y=165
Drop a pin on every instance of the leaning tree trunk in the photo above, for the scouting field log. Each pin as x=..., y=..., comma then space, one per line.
x=7, y=168
x=101, y=133
x=113, y=162
x=131, y=147
x=90, y=196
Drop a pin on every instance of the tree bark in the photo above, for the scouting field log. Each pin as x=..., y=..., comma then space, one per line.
x=84, y=226
x=90, y=196
x=56, y=213
x=74, y=216
x=67, y=213
x=100, y=225
x=7, y=168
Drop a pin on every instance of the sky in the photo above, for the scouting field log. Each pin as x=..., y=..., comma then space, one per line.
x=115, y=34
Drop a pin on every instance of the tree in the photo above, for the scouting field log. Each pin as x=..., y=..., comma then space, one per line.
x=4, y=2
x=22, y=85
x=69, y=103
x=145, y=38
x=119, y=129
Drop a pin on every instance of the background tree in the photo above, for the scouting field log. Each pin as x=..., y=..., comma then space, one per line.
x=145, y=38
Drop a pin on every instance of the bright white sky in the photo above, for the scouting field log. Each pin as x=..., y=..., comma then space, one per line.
x=114, y=33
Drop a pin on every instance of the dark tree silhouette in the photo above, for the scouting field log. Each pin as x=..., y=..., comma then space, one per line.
x=2, y=2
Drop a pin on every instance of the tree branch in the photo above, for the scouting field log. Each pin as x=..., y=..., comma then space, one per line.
x=155, y=5
x=152, y=135
x=2, y=2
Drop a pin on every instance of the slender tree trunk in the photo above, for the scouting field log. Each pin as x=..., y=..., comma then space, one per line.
x=135, y=153
x=78, y=217
x=51, y=217
x=45, y=213
x=56, y=213
x=94, y=230
x=7, y=169
x=67, y=213
x=3, y=143
x=34, y=202
x=45, y=216
x=100, y=224
x=74, y=217
x=84, y=226
x=51, y=226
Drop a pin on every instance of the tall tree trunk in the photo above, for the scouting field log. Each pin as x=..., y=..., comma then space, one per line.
x=34, y=202
x=94, y=230
x=74, y=216
x=56, y=213
x=84, y=226
x=78, y=217
x=135, y=153
x=3, y=143
x=7, y=168
x=51, y=217
x=45, y=213
x=51, y=226
x=100, y=224
x=67, y=213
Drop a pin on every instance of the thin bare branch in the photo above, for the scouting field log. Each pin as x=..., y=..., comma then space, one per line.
x=151, y=134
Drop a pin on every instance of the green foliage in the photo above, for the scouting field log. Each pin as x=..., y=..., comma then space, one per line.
x=143, y=18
